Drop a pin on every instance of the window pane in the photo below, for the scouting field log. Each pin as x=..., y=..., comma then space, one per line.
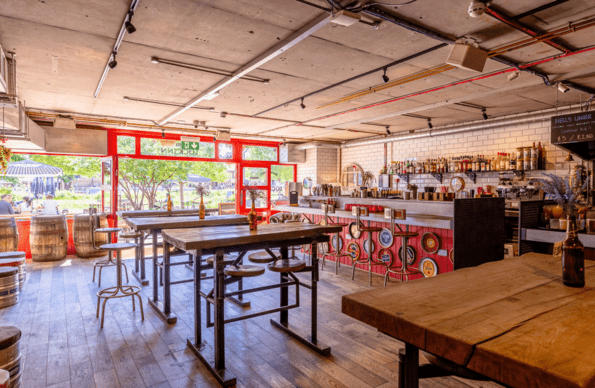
x=259, y=153
x=126, y=145
x=255, y=176
x=225, y=151
x=260, y=202
x=163, y=147
x=280, y=175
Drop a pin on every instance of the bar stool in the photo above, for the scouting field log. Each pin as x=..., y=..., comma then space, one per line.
x=338, y=253
x=369, y=261
x=243, y=270
x=119, y=291
x=138, y=262
x=262, y=257
x=109, y=262
x=293, y=256
x=404, y=271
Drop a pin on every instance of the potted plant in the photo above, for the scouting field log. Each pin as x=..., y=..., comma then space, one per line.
x=202, y=189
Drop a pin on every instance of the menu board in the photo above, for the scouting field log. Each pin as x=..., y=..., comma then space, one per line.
x=573, y=128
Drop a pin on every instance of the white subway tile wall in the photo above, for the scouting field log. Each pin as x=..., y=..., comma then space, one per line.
x=321, y=166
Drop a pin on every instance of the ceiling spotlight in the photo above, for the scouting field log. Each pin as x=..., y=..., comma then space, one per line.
x=113, y=63
x=162, y=133
x=513, y=76
x=484, y=114
x=430, y=123
x=385, y=79
x=223, y=115
x=154, y=60
x=128, y=25
x=387, y=130
x=210, y=96
x=302, y=104
x=126, y=98
x=563, y=88
x=476, y=9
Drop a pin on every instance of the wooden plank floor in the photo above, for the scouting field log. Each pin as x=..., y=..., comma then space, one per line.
x=63, y=345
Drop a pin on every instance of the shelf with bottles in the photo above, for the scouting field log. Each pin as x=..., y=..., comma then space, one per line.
x=472, y=175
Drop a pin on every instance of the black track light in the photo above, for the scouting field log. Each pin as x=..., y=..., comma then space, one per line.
x=163, y=133
x=113, y=63
x=484, y=114
x=387, y=130
x=302, y=104
x=128, y=25
x=385, y=78
x=430, y=123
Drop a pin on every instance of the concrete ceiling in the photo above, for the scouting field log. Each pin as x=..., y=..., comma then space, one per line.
x=62, y=47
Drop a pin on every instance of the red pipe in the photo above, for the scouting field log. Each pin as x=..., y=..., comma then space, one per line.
x=527, y=65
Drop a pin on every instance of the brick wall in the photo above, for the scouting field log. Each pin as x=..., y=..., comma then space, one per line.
x=486, y=142
x=321, y=165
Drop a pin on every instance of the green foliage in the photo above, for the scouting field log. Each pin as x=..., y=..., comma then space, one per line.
x=9, y=179
x=282, y=173
x=260, y=153
x=71, y=165
x=5, y=190
x=65, y=194
x=16, y=158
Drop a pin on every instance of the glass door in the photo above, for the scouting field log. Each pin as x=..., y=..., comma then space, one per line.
x=254, y=176
x=106, y=185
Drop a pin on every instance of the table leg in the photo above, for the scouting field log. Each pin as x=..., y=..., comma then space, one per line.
x=314, y=312
x=409, y=367
x=163, y=309
x=139, y=261
x=284, y=292
x=216, y=364
x=197, y=297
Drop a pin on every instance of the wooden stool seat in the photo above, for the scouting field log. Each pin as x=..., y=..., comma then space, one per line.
x=227, y=259
x=262, y=257
x=108, y=230
x=131, y=235
x=12, y=255
x=244, y=271
x=406, y=234
x=117, y=246
x=339, y=225
x=370, y=229
x=289, y=265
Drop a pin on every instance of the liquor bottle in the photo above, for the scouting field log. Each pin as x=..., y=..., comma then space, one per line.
x=169, y=202
x=540, y=157
x=573, y=258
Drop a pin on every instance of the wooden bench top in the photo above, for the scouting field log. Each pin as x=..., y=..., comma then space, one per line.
x=512, y=320
x=149, y=223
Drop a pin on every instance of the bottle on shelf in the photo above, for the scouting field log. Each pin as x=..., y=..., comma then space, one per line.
x=540, y=157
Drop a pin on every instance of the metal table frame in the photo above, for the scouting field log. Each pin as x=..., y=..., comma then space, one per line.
x=216, y=362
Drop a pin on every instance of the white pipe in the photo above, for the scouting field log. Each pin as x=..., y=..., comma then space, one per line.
x=316, y=144
x=531, y=117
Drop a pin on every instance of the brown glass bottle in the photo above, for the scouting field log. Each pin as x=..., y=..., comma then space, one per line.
x=573, y=258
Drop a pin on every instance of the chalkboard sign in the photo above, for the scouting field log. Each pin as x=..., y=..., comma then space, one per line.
x=575, y=133
x=573, y=128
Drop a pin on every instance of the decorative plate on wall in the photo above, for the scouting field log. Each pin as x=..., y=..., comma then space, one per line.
x=428, y=267
x=353, y=231
x=385, y=255
x=334, y=242
x=386, y=238
x=410, y=254
x=353, y=250
x=366, y=246
x=451, y=255
x=430, y=242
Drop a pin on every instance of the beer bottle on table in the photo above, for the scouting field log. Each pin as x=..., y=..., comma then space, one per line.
x=573, y=258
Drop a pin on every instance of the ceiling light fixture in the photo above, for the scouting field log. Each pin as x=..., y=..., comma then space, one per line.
x=484, y=114
x=302, y=104
x=563, y=88
x=388, y=130
x=210, y=96
x=113, y=63
x=385, y=79
x=223, y=115
x=126, y=98
x=513, y=76
x=430, y=123
x=154, y=60
x=128, y=24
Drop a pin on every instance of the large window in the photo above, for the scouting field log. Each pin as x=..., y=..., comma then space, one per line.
x=126, y=145
x=165, y=147
x=280, y=175
x=268, y=154
x=261, y=202
x=254, y=176
x=225, y=151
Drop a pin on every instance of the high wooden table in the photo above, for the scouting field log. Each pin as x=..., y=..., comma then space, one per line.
x=513, y=321
x=154, y=225
x=229, y=239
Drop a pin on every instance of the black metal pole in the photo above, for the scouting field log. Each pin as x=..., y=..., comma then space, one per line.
x=155, y=269
x=166, y=285
x=197, y=312
x=314, y=314
x=219, y=311
x=284, y=315
x=142, y=256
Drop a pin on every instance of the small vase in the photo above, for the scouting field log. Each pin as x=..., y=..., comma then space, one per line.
x=201, y=209
x=573, y=258
x=252, y=218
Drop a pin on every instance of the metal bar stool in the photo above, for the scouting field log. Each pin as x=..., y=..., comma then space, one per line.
x=119, y=291
x=109, y=262
x=138, y=261
x=337, y=254
x=404, y=271
x=369, y=261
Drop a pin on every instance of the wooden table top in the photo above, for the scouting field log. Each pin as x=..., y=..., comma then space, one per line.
x=149, y=223
x=156, y=213
x=228, y=236
x=512, y=320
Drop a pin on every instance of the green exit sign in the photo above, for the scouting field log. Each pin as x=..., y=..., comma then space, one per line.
x=189, y=145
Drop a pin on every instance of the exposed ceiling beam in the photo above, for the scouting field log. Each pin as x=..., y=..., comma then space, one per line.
x=539, y=9
x=469, y=97
x=273, y=52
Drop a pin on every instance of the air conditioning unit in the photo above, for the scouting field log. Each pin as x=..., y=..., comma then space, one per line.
x=289, y=154
x=8, y=80
x=467, y=57
x=64, y=122
x=223, y=135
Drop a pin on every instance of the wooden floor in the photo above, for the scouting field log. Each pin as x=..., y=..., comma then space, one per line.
x=63, y=345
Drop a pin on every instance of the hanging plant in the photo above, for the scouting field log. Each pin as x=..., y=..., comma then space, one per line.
x=5, y=154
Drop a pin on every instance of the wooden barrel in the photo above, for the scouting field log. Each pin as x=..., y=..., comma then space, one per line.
x=10, y=353
x=9, y=235
x=20, y=264
x=48, y=238
x=82, y=235
x=9, y=286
